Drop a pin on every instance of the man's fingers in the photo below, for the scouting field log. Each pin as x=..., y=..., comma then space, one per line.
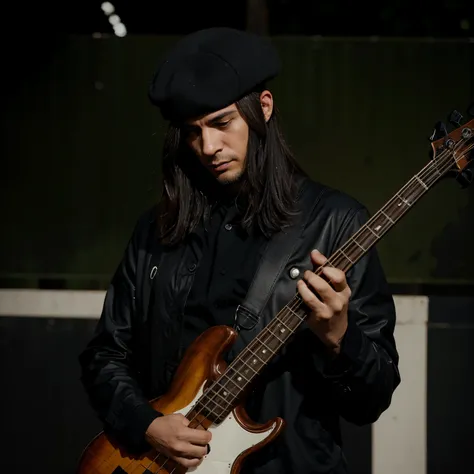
x=336, y=277
x=187, y=462
x=318, y=258
x=320, y=286
x=190, y=451
x=311, y=300
x=328, y=299
x=195, y=436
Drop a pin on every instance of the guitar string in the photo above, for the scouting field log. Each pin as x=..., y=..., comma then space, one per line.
x=396, y=199
x=332, y=258
x=335, y=257
x=423, y=174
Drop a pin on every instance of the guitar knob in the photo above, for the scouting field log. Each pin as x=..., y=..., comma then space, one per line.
x=455, y=118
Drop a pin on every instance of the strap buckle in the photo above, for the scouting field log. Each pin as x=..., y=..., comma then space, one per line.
x=244, y=318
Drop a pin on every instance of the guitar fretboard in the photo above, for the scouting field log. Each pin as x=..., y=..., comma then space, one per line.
x=225, y=393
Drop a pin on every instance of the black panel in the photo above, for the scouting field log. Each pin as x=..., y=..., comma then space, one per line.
x=357, y=446
x=428, y=289
x=43, y=410
x=450, y=407
x=455, y=310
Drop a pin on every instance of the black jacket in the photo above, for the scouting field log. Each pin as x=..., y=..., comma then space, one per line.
x=133, y=356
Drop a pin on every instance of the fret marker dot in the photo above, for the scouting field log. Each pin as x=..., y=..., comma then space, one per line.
x=378, y=227
x=264, y=351
x=254, y=361
x=282, y=330
x=225, y=394
x=239, y=379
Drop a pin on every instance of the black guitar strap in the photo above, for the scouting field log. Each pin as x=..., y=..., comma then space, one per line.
x=273, y=262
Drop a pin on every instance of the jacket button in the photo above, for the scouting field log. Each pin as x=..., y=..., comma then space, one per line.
x=294, y=273
x=192, y=267
x=228, y=227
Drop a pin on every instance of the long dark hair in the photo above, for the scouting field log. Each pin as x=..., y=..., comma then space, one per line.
x=268, y=188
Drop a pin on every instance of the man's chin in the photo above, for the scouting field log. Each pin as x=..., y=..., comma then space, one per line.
x=229, y=178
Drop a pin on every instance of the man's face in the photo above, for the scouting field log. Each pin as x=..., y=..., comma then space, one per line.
x=220, y=141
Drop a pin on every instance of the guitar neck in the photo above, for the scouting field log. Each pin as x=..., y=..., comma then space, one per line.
x=224, y=394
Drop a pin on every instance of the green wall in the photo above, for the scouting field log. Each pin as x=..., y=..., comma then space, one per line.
x=81, y=148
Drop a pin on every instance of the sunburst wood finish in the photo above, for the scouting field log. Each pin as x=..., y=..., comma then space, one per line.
x=201, y=365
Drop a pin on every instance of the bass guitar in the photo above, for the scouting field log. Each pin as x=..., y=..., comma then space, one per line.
x=210, y=393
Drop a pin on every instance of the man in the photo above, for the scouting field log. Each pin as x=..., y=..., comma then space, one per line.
x=237, y=228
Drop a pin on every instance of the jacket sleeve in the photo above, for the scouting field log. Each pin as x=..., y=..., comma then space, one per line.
x=107, y=371
x=363, y=377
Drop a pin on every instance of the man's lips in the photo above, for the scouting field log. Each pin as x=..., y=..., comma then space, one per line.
x=220, y=166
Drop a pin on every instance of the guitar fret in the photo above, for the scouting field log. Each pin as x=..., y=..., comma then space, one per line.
x=240, y=376
x=372, y=232
x=235, y=388
x=342, y=260
x=353, y=252
x=435, y=163
x=256, y=355
x=296, y=314
x=266, y=347
x=214, y=394
x=404, y=201
x=230, y=379
x=282, y=330
x=286, y=326
x=210, y=406
x=366, y=237
x=248, y=365
x=211, y=412
x=345, y=255
x=359, y=245
x=421, y=182
x=388, y=217
x=232, y=390
x=276, y=336
x=380, y=223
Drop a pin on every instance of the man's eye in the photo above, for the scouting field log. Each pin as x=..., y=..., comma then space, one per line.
x=222, y=124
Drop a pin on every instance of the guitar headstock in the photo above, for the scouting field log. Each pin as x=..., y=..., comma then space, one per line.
x=453, y=152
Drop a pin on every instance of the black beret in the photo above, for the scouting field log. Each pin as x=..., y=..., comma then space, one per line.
x=209, y=70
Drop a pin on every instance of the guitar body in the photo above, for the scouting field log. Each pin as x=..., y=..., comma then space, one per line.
x=232, y=440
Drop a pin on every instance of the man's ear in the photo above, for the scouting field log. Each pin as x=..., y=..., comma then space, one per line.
x=266, y=101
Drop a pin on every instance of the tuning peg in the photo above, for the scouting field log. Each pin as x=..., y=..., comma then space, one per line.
x=439, y=131
x=455, y=118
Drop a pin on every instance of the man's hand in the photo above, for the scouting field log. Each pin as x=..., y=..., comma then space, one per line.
x=328, y=318
x=171, y=436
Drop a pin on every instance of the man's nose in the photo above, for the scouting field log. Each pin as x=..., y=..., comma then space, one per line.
x=210, y=142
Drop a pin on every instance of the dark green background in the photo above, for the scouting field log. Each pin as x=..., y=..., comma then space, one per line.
x=81, y=148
